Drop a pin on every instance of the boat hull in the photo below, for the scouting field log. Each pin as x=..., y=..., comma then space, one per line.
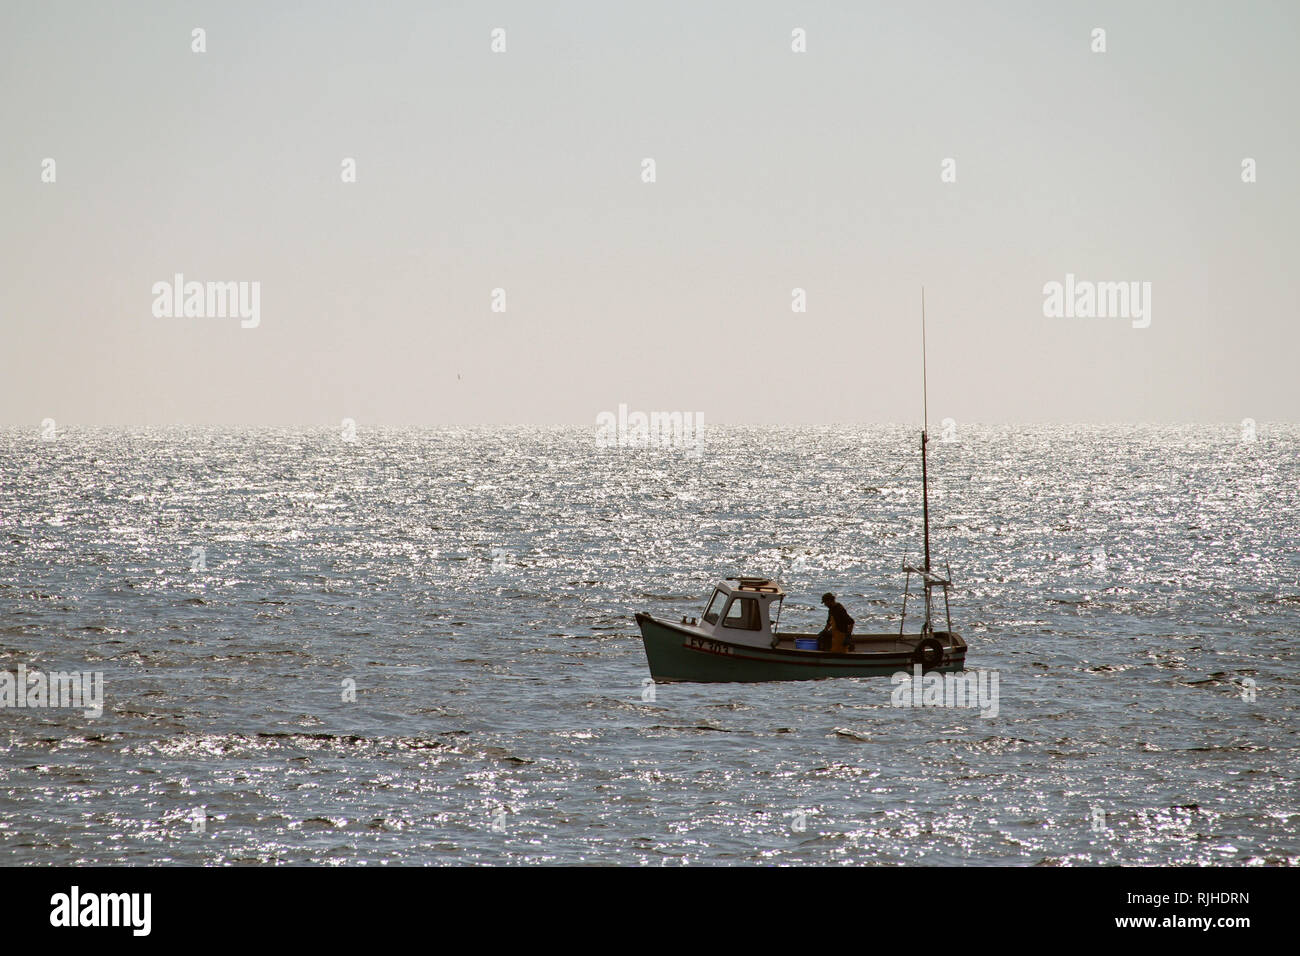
x=682, y=653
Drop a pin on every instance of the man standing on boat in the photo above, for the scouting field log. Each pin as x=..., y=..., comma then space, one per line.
x=839, y=626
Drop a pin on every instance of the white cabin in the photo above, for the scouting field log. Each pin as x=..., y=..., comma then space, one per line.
x=743, y=611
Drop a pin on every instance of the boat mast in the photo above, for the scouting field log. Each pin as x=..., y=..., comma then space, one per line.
x=925, y=484
x=929, y=580
x=925, y=428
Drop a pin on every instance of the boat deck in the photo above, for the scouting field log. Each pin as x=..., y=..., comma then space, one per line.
x=873, y=643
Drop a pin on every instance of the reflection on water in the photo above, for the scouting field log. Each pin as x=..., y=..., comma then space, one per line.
x=418, y=647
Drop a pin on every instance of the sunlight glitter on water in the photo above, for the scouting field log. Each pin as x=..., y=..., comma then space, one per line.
x=478, y=587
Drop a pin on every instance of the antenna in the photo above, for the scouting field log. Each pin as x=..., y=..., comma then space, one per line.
x=925, y=396
x=925, y=428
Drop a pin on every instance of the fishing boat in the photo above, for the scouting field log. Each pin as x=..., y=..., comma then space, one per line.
x=738, y=636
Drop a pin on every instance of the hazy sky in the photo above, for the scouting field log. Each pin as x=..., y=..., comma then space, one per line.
x=523, y=170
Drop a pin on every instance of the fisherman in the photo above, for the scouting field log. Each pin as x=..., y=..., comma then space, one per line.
x=839, y=626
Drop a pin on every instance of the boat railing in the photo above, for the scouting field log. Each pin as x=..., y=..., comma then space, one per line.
x=929, y=580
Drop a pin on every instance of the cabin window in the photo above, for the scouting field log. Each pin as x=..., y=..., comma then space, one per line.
x=743, y=614
x=714, y=610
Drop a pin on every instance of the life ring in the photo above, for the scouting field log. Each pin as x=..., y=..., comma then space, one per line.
x=928, y=653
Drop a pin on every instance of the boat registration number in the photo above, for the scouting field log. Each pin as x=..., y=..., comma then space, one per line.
x=705, y=644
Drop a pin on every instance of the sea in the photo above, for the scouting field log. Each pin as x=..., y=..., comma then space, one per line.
x=417, y=646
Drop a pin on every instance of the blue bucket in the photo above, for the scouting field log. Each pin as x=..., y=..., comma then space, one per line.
x=806, y=643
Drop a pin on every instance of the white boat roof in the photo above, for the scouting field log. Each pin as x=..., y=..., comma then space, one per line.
x=759, y=587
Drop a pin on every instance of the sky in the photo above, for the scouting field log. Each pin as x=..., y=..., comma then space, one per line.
x=523, y=171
